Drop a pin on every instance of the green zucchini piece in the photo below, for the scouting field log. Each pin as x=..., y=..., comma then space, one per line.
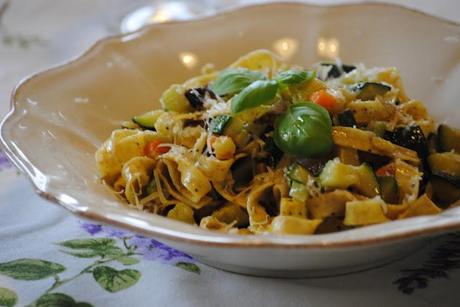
x=411, y=137
x=148, y=120
x=368, y=184
x=370, y=90
x=173, y=99
x=346, y=118
x=444, y=192
x=297, y=177
x=297, y=173
x=219, y=123
x=298, y=191
x=151, y=187
x=448, y=138
x=337, y=175
x=379, y=128
x=236, y=129
x=335, y=72
x=446, y=165
x=389, y=190
x=129, y=124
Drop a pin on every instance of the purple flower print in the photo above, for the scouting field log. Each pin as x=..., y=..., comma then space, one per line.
x=153, y=250
x=109, y=231
x=92, y=229
x=4, y=162
x=149, y=248
x=113, y=232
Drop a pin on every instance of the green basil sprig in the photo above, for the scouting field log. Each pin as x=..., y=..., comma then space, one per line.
x=233, y=80
x=257, y=93
x=304, y=130
x=295, y=77
x=260, y=91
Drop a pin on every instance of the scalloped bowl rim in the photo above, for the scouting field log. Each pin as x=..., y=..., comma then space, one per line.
x=324, y=241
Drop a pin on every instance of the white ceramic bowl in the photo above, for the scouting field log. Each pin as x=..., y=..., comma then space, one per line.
x=60, y=116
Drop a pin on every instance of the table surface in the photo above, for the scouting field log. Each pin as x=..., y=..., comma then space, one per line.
x=51, y=258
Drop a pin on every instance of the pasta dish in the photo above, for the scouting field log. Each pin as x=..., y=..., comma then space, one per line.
x=263, y=146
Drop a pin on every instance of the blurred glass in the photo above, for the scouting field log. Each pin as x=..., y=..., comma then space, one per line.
x=128, y=16
x=163, y=11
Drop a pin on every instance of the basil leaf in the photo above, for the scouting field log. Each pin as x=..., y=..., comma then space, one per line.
x=305, y=131
x=234, y=80
x=219, y=123
x=258, y=93
x=295, y=77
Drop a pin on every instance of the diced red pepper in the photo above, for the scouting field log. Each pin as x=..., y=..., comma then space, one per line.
x=386, y=170
x=324, y=99
x=154, y=148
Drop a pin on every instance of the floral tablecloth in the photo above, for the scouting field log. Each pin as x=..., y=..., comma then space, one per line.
x=51, y=258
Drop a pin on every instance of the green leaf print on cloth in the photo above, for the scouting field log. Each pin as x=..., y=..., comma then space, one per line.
x=110, y=246
x=126, y=260
x=30, y=269
x=58, y=300
x=8, y=298
x=191, y=267
x=113, y=280
x=90, y=248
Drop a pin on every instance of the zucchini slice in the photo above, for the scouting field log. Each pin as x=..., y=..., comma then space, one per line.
x=348, y=68
x=129, y=124
x=298, y=191
x=389, y=190
x=411, y=137
x=444, y=192
x=346, y=118
x=379, y=128
x=448, y=138
x=368, y=184
x=173, y=99
x=197, y=96
x=335, y=72
x=446, y=165
x=236, y=129
x=297, y=177
x=370, y=90
x=337, y=175
x=151, y=187
x=148, y=120
x=297, y=173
